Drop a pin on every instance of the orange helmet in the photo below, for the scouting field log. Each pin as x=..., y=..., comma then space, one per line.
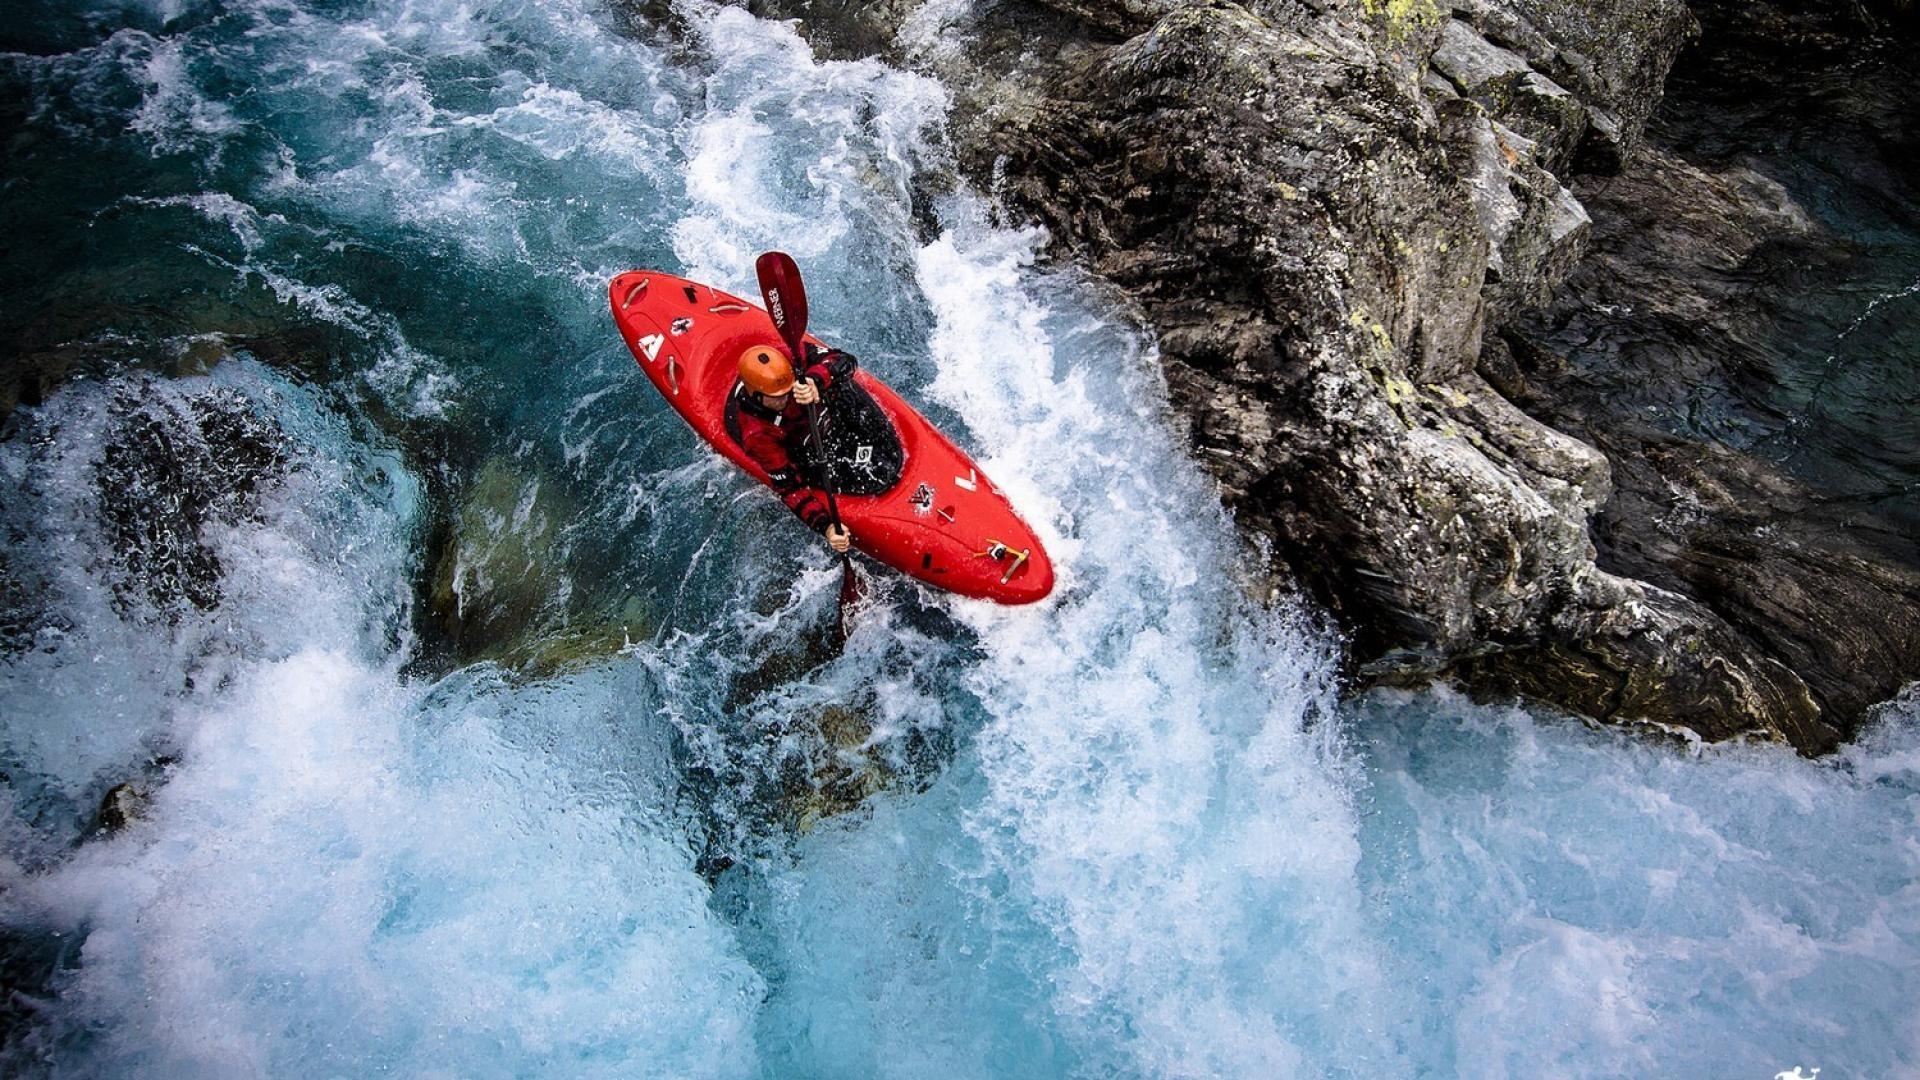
x=766, y=370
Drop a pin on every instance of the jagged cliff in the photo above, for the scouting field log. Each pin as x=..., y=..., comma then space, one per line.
x=1341, y=218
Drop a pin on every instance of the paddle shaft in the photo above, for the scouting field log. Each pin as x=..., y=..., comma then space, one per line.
x=826, y=466
x=786, y=300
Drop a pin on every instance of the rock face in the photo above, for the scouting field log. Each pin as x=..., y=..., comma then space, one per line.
x=1693, y=346
x=1331, y=213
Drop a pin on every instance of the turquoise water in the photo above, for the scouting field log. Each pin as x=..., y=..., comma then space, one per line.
x=1132, y=832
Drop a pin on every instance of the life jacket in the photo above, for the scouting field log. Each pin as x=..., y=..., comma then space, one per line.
x=781, y=441
x=867, y=456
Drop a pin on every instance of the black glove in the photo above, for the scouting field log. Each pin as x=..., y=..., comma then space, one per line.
x=839, y=364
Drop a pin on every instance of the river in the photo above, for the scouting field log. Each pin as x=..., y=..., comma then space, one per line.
x=1134, y=831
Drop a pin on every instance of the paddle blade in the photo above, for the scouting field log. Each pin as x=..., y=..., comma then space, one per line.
x=786, y=298
x=853, y=590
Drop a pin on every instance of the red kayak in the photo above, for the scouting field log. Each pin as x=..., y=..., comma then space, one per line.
x=910, y=497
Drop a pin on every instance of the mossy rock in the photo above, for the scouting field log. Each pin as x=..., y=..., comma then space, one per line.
x=498, y=578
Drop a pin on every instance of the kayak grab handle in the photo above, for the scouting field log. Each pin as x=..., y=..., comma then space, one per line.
x=997, y=551
x=634, y=293
x=673, y=374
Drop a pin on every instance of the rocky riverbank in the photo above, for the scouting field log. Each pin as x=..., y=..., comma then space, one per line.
x=1349, y=222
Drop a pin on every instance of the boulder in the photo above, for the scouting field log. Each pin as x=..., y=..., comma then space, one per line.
x=122, y=805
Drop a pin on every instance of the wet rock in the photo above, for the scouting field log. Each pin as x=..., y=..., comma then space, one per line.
x=500, y=578
x=1672, y=349
x=1595, y=71
x=170, y=467
x=838, y=773
x=1673, y=664
x=785, y=761
x=122, y=805
x=1767, y=554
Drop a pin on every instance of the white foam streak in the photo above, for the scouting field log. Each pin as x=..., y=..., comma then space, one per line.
x=559, y=123
x=218, y=206
x=793, y=153
x=175, y=115
x=408, y=379
x=1123, y=733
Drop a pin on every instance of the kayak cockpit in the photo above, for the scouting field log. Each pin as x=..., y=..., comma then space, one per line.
x=860, y=439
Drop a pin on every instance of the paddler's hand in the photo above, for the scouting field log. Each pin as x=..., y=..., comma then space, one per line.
x=838, y=538
x=805, y=392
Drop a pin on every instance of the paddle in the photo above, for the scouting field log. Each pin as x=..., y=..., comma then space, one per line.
x=786, y=300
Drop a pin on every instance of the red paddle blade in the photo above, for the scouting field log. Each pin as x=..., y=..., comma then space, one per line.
x=786, y=298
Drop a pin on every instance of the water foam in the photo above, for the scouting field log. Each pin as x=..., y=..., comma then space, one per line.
x=343, y=871
x=1581, y=903
x=1130, y=714
x=174, y=115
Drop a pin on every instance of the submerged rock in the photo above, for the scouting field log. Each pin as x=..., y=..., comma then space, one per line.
x=499, y=574
x=25, y=614
x=839, y=773
x=501, y=589
x=823, y=763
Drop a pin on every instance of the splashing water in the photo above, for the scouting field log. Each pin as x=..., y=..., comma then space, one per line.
x=1133, y=831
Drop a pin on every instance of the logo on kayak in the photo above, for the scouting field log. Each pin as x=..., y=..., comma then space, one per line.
x=923, y=499
x=681, y=326
x=650, y=345
x=863, y=455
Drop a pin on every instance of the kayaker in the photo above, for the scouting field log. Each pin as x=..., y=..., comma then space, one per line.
x=775, y=429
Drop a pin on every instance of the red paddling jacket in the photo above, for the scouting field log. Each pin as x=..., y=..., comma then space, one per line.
x=781, y=442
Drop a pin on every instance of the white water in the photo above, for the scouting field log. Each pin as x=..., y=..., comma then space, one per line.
x=1144, y=839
